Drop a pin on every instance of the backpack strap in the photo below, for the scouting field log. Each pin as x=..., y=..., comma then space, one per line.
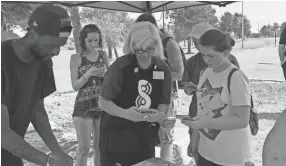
x=229, y=77
x=201, y=73
x=228, y=85
x=164, y=42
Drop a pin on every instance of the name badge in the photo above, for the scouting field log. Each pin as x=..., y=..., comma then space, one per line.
x=158, y=75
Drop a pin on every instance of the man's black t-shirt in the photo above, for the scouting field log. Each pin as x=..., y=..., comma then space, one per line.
x=127, y=85
x=23, y=85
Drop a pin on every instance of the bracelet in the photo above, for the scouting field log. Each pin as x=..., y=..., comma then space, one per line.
x=49, y=161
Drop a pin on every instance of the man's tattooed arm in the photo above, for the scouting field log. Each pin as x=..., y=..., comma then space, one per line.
x=42, y=125
x=16, y=145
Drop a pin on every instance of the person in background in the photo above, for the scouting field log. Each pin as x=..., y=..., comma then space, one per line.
x=282, y=50
x=4, y=34
x=193, y=68
x=26, y=80
x=87, y=73
x=223, y=111
x=135, y=99
x=174, y=59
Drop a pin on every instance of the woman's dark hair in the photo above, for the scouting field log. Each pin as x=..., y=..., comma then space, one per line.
x=231, y=40
x=90, y=28
x=147, y=17
x=217, y=39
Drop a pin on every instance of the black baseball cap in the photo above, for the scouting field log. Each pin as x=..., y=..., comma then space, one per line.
x=53, y=21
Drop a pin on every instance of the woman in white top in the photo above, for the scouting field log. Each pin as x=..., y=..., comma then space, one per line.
x=223, y=113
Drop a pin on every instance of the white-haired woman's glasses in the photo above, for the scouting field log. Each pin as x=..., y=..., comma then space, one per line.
x=141, y=52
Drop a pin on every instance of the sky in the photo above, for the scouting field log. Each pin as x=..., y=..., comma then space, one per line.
x=258, y=12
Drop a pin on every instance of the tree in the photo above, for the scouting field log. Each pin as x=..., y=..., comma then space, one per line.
x=275, y=26
x=182, y=20
x=225, y=23
x=266, y=31
x=282, y=25
x=236, y=22
x=112, y=24
x=75, y=19
x=237, y=25
x=16, y=14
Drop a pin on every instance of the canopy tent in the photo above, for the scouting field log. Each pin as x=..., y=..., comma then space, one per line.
x=135, y=6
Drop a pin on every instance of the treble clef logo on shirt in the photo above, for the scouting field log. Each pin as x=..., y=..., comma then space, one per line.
x=143, y=100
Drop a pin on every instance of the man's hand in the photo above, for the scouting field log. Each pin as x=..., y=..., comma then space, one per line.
x=65, y=160
x=62, y=156
x=189, y=87
x=168, y=122
x=156, y=116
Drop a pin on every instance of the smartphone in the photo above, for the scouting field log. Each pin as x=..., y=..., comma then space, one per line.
x=171, y=118
x=183, y=117
x=188, y=84
x=146, y=111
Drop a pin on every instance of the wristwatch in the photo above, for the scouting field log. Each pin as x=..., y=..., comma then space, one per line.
x=49, y=161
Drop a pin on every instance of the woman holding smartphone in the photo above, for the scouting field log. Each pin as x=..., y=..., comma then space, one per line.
x=135, y=99
x=193, y=68
x=87, y=74
x=223, y=110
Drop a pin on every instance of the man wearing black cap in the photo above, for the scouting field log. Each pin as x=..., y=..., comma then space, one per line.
x=26, y=79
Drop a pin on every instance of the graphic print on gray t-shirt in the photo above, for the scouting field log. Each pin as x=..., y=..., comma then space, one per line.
x=210, y=104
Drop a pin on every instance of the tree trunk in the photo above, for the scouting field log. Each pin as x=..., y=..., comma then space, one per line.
x=115, y=51
x=109, y=51
x=75, y=19
x=189, y=46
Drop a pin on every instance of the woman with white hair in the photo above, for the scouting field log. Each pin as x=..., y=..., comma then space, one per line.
x=135, y=98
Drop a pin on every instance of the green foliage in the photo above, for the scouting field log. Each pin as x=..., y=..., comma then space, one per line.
x=16, y=14
x=113, y=23
x=182, y=20
x=233, y=23
x=76, y=24
x=275, y=26
x=269, y=30
x=226, y=23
